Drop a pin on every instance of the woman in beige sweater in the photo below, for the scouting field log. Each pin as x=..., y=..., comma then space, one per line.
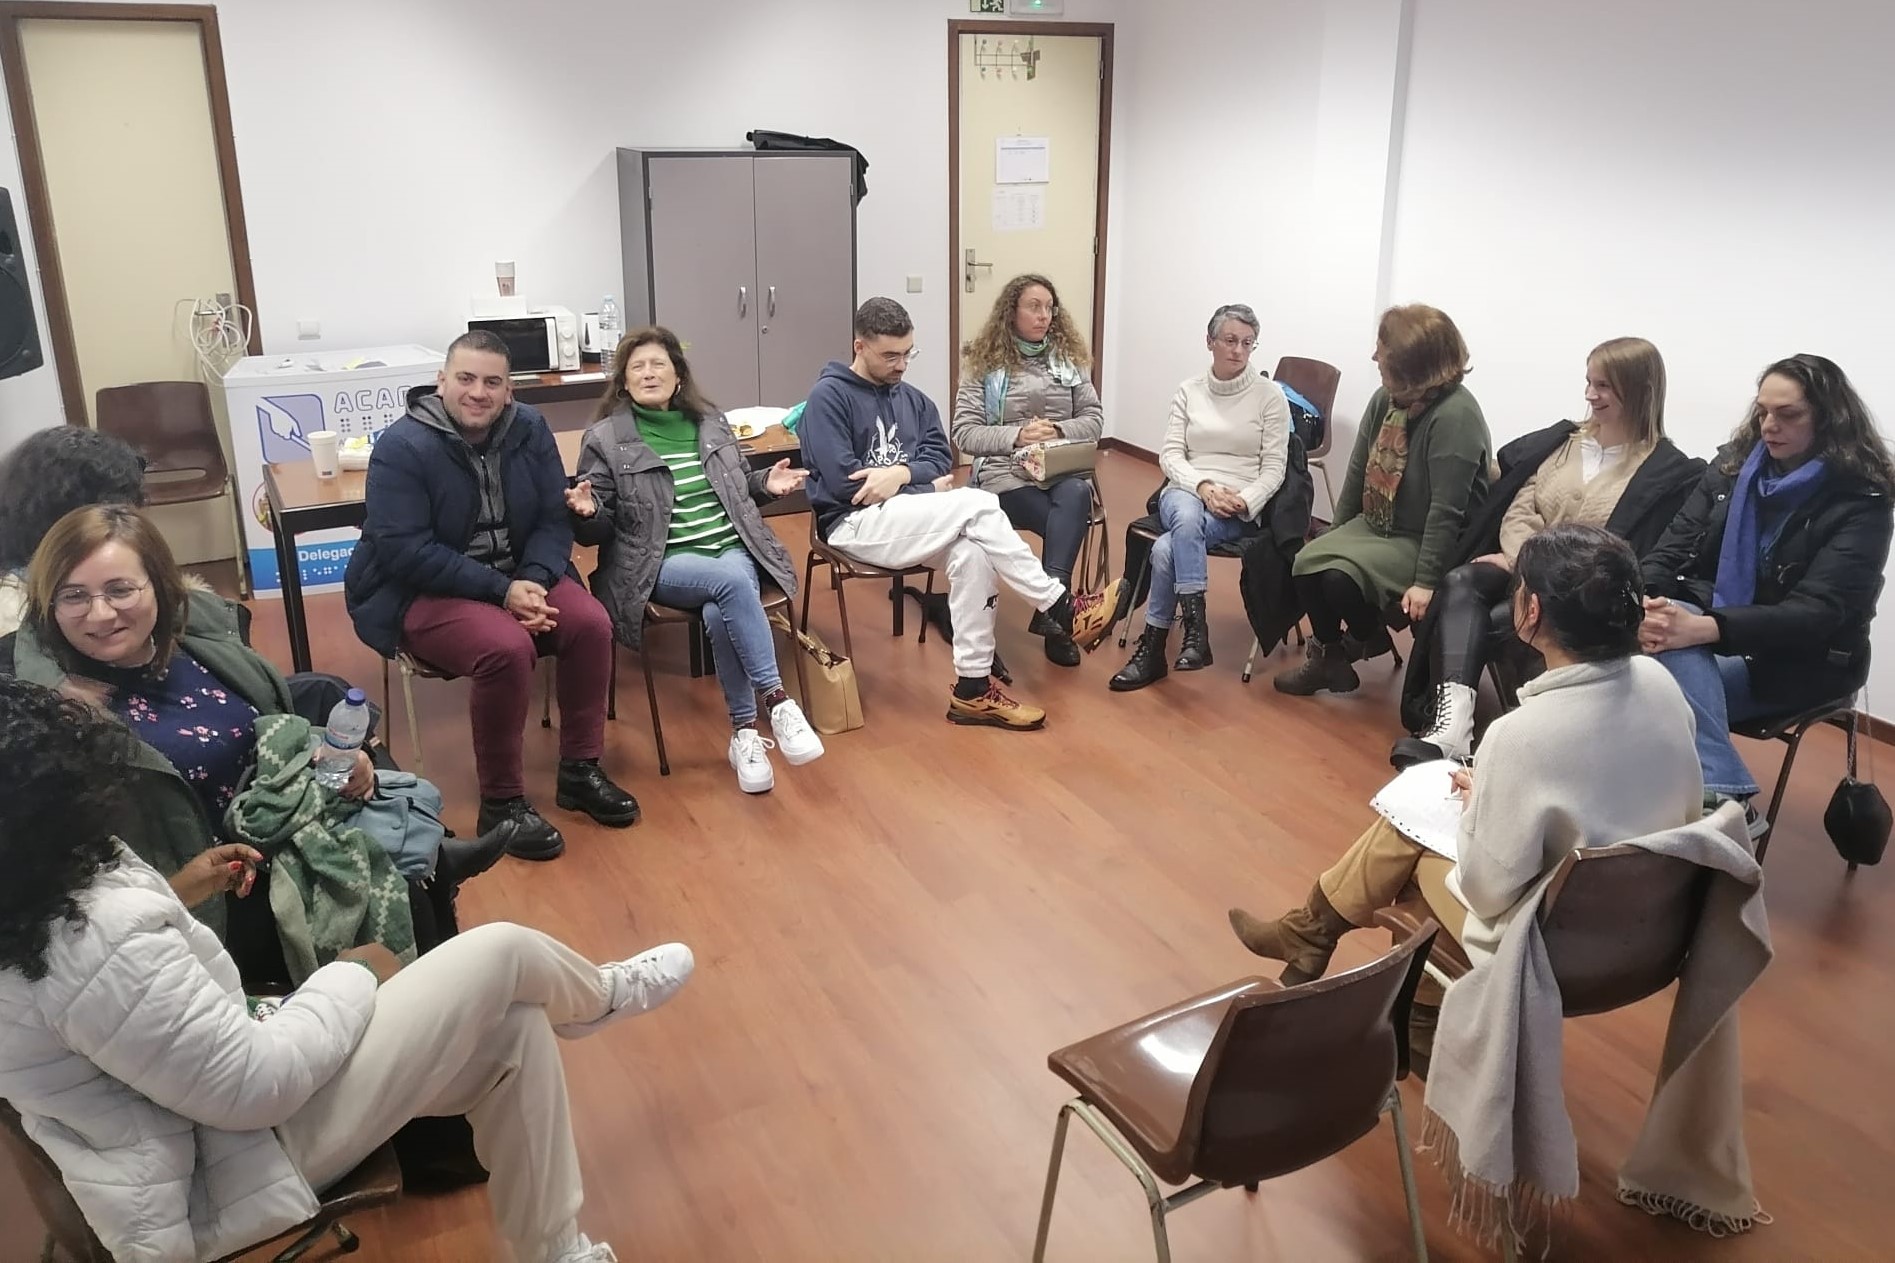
x=1582, y=481
x=1225, y=452
x=1599, y=751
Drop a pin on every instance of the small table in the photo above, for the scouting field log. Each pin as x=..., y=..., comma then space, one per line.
x=299, y=502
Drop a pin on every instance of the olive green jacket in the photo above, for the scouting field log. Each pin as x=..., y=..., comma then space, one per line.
x=167, y=824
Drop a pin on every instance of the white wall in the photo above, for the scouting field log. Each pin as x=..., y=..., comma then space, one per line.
x=390, y=153
x=1714, y=176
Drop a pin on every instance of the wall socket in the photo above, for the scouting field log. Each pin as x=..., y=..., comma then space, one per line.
x=914, y=284
x=307, y=330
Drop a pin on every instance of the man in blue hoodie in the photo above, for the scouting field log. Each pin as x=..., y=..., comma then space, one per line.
x=465, y=562
x=880, y=482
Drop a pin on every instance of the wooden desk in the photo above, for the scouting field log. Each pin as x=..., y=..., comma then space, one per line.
x=299, y=502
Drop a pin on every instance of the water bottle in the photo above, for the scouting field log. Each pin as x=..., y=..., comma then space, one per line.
x=348, y=726
x=608, y=332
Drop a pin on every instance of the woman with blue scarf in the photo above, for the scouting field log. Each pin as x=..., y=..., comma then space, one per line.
x=1760, y=594
x=1024, y=380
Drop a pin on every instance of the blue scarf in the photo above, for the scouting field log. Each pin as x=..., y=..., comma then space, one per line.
x=1747, y=538
x=994, y=389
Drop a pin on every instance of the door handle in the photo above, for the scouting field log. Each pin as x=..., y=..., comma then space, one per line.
x=743, y=301
x=967, y=272
x=771, y=309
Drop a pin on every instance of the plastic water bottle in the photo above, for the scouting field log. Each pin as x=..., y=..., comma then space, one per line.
x=608, y=332
x=348, y=726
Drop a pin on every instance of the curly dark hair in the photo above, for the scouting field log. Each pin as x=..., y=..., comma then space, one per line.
x=54, y=471
x=60, y=799
x=1846, y=434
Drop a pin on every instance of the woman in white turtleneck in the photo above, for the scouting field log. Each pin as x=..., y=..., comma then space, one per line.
x=1224, y=455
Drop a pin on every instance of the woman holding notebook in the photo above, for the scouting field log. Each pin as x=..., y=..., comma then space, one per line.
x=1599, y=751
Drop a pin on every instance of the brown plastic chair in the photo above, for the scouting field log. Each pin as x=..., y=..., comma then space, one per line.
x=656, y=615
x=376, y=1182
x=1246, y=1083
x=1790, y=730
x=1316, y=381
x=841, y=570
x=173, y=428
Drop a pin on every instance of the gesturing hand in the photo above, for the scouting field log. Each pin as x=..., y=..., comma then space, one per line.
x=782, y=480
x=526, y=601
x=880, y=483
x=231, y=868
x=579, y=499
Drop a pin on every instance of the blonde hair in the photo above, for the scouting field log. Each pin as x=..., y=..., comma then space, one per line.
x=76, y=537
x=993, y=346
x=1636, y=372
x=1421, y=352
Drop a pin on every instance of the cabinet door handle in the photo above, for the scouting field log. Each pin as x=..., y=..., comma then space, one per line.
x=772, y=307
x=743, y=301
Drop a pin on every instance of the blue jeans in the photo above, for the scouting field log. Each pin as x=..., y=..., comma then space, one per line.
x=725, y=589
x=1717, y=686
x=1181, y=559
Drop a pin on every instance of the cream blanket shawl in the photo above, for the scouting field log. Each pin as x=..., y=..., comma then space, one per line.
x=1496, y=1107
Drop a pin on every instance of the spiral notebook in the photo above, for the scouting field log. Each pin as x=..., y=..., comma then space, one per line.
x=1421, y=802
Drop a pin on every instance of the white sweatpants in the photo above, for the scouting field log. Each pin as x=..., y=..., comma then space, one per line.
x=468, y=1029
x=966, y=532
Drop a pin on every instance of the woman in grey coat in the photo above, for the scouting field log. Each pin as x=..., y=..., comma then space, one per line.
x=1025, y=381
x=666, y=494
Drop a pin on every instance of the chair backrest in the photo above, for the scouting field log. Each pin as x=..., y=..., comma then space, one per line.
x=1295, y=1075
x=46, y=1189
x=170, y=423
x=1618, y=923
x=1316, y=381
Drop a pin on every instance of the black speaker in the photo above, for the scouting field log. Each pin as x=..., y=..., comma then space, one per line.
x=19, y=334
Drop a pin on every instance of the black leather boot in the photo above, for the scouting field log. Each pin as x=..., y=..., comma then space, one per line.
x=532, y=838
x=1195, y=653
x=462, y=859
x=584, y=786
x=1147, y=664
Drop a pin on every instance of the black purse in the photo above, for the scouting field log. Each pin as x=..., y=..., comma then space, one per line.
x=1858, y=817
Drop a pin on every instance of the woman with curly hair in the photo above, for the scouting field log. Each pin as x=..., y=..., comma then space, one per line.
x=187, y=1130
x=1761, y=592
x=1226, y=449
x=1025, y=380
x=51, y=473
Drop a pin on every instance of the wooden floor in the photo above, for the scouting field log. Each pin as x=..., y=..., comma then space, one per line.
x=891, y=942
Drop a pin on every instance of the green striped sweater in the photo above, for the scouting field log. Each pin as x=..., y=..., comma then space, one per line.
x=698, y=521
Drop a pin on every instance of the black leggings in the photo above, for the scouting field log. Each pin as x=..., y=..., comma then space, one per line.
x=1464, y=621
x=1060, y=515
x=1331, y=599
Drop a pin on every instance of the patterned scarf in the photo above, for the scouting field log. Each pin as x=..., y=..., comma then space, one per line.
x=1382, y=476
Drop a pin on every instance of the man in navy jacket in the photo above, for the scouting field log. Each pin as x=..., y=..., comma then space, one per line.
x=464, y=563
x=879, y=481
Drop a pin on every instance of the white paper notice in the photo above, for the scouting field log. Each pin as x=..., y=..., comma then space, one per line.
x=1022, y=160
x=1019, y=209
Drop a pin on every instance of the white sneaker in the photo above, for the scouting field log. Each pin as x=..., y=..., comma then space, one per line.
x=749, y=754
x=638, y=985
x=794, y=737
x=587, y=1251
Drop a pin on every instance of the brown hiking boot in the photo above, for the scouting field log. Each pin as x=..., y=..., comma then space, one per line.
x=1326, y=667
x=1092, y=615
x=1303, y=938
x=994, y=709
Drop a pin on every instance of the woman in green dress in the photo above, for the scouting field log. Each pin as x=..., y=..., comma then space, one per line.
x=1422, y=461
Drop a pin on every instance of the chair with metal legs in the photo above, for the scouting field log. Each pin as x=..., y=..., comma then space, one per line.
x=843, y=568
x=1202, y=1091
x=1790, y=730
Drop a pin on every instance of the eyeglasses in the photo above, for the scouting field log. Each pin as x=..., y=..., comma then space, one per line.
x=120, y=595
x=1229, y=343
x=892, y=358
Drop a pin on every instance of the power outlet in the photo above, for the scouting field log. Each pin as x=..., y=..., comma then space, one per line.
x=914, y=284
x=308, y=330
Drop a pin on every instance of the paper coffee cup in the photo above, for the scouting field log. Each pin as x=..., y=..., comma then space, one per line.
x=503, y=277
x=325, y=448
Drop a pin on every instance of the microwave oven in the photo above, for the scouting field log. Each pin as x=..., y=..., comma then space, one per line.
x=544, y=340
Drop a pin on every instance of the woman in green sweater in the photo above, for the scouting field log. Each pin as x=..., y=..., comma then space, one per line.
x=665, y=492
x=1422, y=461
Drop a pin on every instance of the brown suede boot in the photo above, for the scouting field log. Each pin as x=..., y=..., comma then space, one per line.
x=1303, y=939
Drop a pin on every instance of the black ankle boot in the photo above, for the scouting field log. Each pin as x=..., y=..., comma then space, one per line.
x=1324, y=668
x=584, y=786
x=1195, y=653
x=1147, y=664
x=530, y=837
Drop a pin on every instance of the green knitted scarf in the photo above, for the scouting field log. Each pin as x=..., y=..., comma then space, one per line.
x=331, y=886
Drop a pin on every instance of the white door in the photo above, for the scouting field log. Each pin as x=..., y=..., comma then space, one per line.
x=1033, y=207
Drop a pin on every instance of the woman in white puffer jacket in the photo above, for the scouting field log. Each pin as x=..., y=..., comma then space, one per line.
x=184, y=1128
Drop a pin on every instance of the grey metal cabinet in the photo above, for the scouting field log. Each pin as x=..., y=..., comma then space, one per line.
x=748, y=257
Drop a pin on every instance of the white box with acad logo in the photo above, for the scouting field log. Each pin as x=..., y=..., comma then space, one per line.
x=274, y=402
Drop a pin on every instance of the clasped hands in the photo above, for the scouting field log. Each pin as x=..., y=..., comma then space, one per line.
x=1038, y=430
x=1669, y=626
x=1222, y=501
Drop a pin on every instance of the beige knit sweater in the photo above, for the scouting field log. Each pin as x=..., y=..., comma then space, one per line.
x=1235, y=434
x=1558, y=492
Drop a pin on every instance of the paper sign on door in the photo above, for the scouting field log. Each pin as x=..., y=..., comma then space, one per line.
x=1019, y=209
x=1022, y=160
